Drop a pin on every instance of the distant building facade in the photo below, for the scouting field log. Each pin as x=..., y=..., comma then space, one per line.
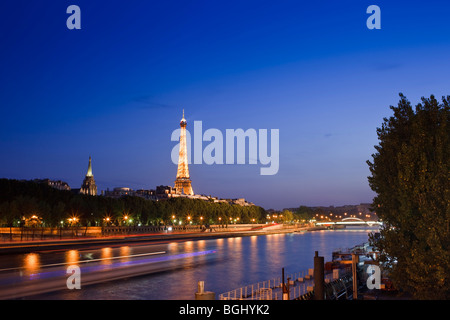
x=57, y=184
x=120, y=192
x=146, y=194
x=166, y=192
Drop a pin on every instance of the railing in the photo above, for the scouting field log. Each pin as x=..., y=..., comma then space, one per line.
x=299, y=286
x=46, y=233
x=117, y=230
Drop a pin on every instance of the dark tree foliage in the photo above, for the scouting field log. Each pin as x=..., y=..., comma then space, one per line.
x=410, y=175
x=19, y=199
x=304, y=213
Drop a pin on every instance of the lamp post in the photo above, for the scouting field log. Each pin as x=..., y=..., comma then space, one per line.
x=72, y=221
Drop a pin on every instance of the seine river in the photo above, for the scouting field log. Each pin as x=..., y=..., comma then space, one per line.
x=224, y=264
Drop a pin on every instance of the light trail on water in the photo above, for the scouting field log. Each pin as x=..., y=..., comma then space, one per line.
x=51, y=277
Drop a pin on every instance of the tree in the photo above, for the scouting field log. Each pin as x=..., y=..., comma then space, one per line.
x=7, y=216
x=287, y=215
x=410, y=175
x=304, y=213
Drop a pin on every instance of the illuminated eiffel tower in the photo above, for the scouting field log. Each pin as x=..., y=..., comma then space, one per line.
x=183, y=181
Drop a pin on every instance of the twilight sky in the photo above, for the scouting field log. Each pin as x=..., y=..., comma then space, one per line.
x=115, y=89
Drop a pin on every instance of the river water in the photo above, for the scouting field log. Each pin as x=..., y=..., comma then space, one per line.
x=224, y=264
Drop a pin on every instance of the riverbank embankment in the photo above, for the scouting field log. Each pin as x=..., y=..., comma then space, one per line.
x=167, y=235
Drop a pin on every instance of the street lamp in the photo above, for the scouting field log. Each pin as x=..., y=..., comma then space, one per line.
x=107, y=220
x=126, y=219
x=73, y=219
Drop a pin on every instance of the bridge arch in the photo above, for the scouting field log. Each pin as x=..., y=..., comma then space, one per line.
x=352, y=219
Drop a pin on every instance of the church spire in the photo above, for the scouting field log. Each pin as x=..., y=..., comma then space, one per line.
x=89, y=187
x=89, y=172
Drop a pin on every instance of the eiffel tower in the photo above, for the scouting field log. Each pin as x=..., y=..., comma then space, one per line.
x=183, y=181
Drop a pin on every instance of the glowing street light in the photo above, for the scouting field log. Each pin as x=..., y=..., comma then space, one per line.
x=107, y=219
x=73, y=219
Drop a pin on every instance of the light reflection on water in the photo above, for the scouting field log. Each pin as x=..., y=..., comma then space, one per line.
x=106, y=255
x=72, y=256
x=236, y=262
x=31, y=263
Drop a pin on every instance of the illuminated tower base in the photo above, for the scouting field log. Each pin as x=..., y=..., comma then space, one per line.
x=183, y=185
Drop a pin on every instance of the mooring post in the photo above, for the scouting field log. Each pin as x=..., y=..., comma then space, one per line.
x=285, y=291
x=201, y=294
x=319, y=275
x=355, y=260
x=201, y=287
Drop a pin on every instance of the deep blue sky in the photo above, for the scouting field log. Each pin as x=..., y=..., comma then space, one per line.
x=115, y=89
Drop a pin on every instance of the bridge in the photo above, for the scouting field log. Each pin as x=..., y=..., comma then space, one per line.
x=349, y=221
